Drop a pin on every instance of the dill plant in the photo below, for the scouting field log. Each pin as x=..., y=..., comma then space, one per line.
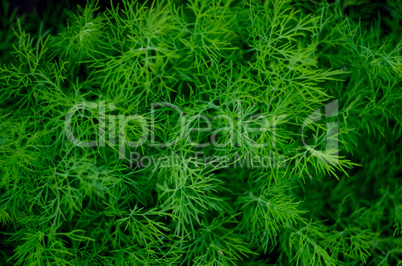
x=313, y=86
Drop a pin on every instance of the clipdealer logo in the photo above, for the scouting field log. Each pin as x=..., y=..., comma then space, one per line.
x=238, y=130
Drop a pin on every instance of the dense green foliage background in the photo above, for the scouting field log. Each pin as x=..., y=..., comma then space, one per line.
x=62, y=204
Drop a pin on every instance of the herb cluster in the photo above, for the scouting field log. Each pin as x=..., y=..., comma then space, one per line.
x=283, y=120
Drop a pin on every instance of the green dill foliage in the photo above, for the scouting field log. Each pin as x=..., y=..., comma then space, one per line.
x=314, y=87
